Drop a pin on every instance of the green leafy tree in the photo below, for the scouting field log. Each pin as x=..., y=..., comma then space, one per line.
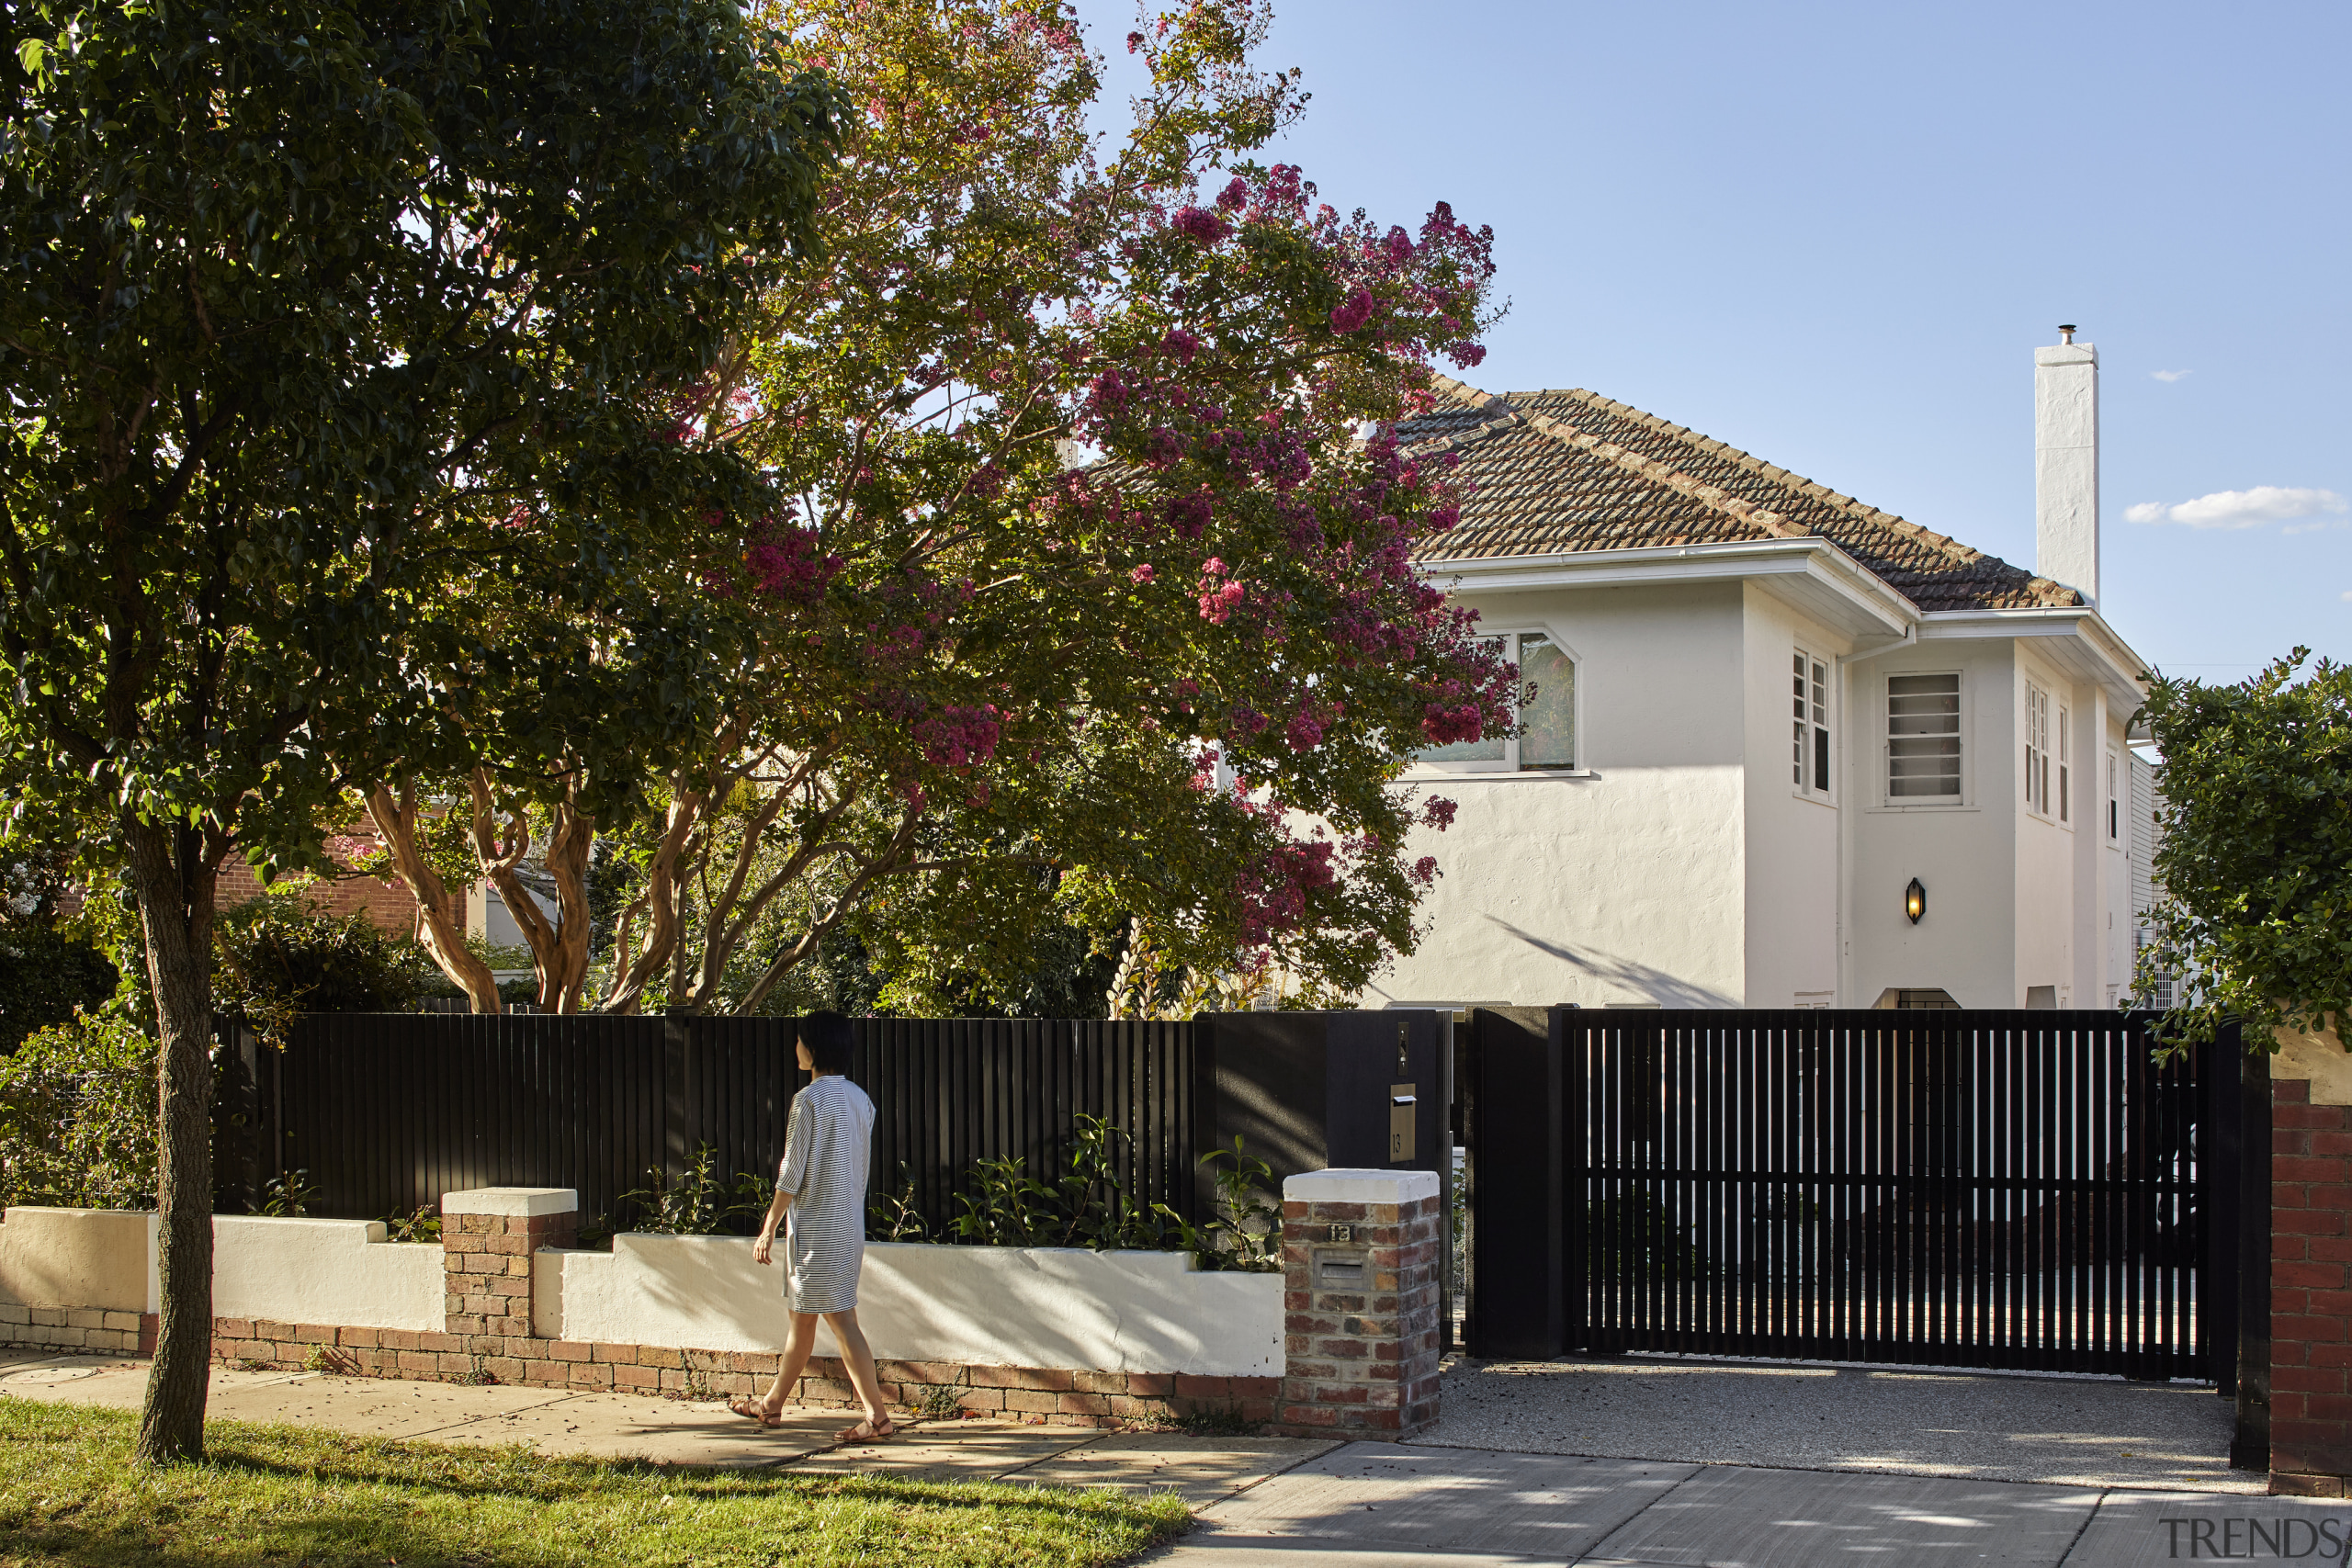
x=312, y=318
x=2255, y=920
x=1094, y=595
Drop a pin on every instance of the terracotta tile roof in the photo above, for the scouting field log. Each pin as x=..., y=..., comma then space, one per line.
x=1557, y=472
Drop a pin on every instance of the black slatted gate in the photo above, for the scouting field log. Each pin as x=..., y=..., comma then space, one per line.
x=2017, y=1190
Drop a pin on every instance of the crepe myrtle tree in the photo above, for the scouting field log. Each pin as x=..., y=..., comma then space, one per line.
x=300, y=305
x=2254, y=919
x=1095, y=596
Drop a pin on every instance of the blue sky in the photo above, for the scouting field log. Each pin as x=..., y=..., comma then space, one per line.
x=1832, y=235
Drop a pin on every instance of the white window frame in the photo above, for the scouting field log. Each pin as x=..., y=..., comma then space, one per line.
x=2114, y=800
x=1510, y=763
x=2065, y=766
x=1890, y=801
x=1814, y=733
x=2037, y=749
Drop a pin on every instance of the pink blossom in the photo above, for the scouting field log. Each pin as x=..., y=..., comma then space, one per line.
x=1180, y=345
x=1353, y=312
x=958, y=736
x=1438, y=812
x=1445, y=725
x=1140, y=575
x=1188, y=515
x=1218, y=604
x=1199, y=223
x=1424, y=870
x=788, y=563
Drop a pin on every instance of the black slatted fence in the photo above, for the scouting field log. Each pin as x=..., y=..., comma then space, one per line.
x=383, y=1112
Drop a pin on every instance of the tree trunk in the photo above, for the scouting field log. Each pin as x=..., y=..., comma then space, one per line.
x=175, y=870
x=559, y=947
x=445, y=939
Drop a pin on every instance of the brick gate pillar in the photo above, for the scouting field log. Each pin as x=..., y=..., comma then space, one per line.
x=489, y=1240
x=1360, y=1257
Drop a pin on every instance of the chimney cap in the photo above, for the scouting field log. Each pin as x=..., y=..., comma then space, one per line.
x=2065, y=331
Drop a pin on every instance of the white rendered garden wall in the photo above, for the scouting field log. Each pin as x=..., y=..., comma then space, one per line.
x=1056, y=1307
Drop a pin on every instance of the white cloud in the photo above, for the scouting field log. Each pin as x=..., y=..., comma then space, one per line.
x=2241, y=508
x=2168, y=375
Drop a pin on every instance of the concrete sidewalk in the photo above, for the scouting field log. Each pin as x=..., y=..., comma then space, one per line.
x=1270, y=1502
x=684, y=1432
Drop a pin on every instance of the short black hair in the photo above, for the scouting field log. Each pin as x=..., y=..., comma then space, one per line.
x=829, y=1041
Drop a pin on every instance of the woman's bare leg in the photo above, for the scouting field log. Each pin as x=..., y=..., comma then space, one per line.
x=795, y=1359
x=857, y=1358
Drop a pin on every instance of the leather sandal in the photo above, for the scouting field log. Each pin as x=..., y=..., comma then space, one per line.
x=867, y=1432
x=759, y=1415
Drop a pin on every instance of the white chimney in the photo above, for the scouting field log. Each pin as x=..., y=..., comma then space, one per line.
x=2065, y=464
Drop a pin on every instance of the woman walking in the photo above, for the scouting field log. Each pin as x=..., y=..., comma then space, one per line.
x=820, y=1191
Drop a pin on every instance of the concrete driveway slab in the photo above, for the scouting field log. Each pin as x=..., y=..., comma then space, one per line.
x=1390, y=1498
x=2065, y=1431
x=2132, y=1529
x=964, y=1450
x=1793, y=1518
x=1205, y=1470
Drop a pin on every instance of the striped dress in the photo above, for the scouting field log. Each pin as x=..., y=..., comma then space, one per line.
x=825, y=1144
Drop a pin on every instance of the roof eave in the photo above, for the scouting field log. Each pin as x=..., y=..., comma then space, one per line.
x=1812, y=574
x=2077, y=637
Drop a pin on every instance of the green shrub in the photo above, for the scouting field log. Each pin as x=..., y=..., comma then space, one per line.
x=44, y=977
x=78, y=1116
x=279, y=958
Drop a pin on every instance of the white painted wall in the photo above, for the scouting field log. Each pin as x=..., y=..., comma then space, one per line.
x=337, y=1272
x=90, y=1258
x=1059, y=1307
x=334, y=1272
x=1683, y=868
x=1623, y=884
x=2045, y=925
x=1965, y=854
x=1791, y=916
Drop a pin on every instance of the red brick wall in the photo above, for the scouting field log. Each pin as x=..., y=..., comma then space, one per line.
x=2310, y=1291
x=387, y=904
x=1038, y=1395
x=1360, y=1362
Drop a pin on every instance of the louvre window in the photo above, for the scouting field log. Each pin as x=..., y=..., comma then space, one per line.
x=1923, y=736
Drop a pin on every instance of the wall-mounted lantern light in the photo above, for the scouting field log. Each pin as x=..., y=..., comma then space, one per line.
x=1915, y=900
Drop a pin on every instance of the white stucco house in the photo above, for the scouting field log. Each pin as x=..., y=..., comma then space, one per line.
x=1760, y=712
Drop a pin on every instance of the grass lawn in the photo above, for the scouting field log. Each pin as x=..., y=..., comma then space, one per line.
x=289, y=1494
